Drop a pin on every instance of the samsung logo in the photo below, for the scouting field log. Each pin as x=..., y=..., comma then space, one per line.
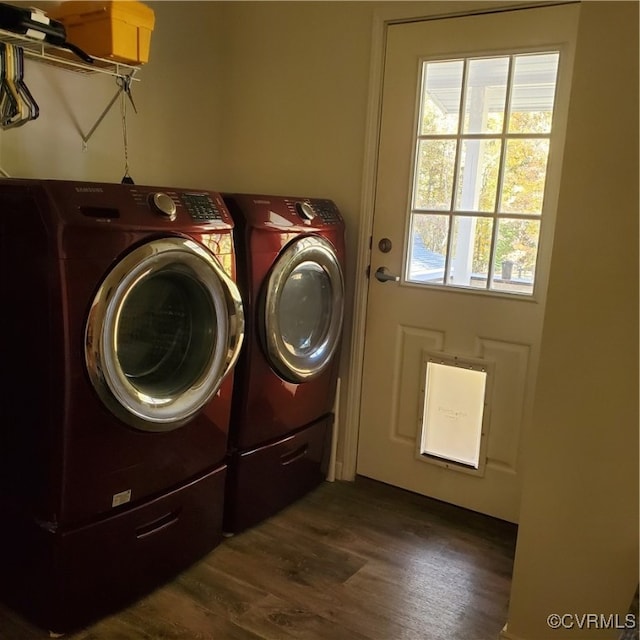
x=89, y=189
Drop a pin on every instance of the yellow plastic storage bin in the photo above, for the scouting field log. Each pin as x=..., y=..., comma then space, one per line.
x=119, y=30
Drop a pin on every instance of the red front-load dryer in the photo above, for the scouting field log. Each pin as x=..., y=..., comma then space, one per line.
x=122, y=324
x=291, y=259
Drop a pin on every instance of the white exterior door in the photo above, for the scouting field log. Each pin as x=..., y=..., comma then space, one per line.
x=471, y=139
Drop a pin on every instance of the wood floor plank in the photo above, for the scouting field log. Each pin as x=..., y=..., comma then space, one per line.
x=278, y=619
x=13, y=626
x=219, y=592
x=274, y=560
x=173, y=606
x=350, y=561
x=434, y=599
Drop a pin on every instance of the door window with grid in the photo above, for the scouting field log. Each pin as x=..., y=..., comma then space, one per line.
x=482, y=145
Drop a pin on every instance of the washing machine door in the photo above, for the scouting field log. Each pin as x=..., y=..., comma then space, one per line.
x=302, y=309
x=164, y=330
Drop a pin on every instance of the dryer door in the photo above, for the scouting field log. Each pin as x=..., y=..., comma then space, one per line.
x=302, y=309
x=164, y=330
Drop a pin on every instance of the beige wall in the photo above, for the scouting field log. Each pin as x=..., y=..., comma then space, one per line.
x=577, y=547
x=273, y=97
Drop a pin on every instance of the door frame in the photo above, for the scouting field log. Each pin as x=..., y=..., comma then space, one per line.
x=382, y=19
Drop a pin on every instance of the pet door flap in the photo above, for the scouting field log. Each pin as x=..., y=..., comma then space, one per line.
x=453, y=411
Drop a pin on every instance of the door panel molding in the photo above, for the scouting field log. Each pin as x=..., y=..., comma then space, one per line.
x=508, y=405
x=414, y=342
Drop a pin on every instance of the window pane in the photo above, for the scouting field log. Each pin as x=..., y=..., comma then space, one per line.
x=524, y=176
x=516, y=254
x=482, y=155
x=440, y=103
x=429, y=235
x=470, y=250
x=478, y=175
x=533, y=93
x=485, y=95
x=434, y=175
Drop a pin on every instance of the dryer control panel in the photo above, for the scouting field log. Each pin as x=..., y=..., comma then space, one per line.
x=290, y=214
x=327, y=210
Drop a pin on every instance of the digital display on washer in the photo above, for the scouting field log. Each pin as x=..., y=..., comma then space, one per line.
x=327, y=210
x=201, y=207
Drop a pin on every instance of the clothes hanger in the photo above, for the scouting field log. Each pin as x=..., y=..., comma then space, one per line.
x=17, y=105
x=13, y=112
x=23, y=90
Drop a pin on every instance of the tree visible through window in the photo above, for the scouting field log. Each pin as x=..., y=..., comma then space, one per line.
x=482, y=147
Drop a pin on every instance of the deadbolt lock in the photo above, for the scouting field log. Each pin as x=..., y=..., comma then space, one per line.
x=385, y=245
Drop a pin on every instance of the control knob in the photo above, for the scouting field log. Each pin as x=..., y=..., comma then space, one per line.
x=305, y=210
x=163, y=204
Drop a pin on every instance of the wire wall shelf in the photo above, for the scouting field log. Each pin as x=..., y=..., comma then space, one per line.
x=62, y=58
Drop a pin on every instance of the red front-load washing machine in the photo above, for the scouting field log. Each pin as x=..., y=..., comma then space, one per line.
x=291, y=258
x=122, y=324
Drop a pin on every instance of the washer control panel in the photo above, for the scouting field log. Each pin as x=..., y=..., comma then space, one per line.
x=171, y=205
x=201, y=207
x=305, y=210
x=163, y=204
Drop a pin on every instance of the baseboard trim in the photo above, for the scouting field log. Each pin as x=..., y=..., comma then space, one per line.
x=505, y=635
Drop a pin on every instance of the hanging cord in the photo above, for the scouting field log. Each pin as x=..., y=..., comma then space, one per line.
x=124, y=95
x=126, y=179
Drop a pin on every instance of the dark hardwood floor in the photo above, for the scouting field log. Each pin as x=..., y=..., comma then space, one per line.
x=351, y=561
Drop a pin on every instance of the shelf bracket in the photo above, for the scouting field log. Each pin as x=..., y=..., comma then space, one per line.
x=124, y=84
